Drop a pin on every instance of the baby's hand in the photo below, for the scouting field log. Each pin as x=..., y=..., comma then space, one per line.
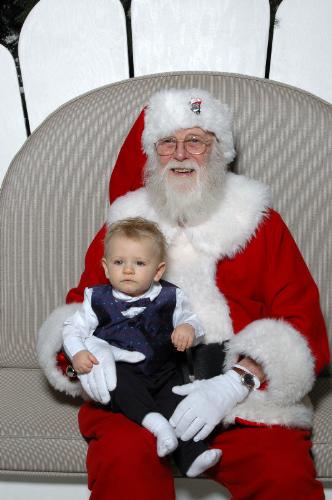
x=183, y=337
x=83, y=361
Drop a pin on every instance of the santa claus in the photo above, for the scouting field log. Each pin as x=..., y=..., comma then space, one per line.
x=246, y=280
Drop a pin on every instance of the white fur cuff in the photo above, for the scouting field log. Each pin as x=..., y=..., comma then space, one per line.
x=49, y=342
x=284, y=355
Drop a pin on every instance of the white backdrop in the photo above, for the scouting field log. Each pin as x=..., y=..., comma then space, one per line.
x=186, y=489
x=302, y=46
x=69, y=47
x=180, y=35
x=12, y=130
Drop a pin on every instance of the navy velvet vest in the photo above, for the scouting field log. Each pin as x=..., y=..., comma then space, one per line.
x=149, y=332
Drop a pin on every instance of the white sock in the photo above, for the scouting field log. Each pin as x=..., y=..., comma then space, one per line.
x=203, y=462
x=164, y=432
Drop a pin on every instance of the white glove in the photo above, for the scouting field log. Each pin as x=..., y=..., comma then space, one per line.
x=102, y=378
x=206, y=404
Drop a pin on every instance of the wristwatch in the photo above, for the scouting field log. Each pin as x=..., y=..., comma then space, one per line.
x=71, y=373
x=248, y=379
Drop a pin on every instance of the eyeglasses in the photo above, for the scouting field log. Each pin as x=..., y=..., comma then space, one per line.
x=193, y=145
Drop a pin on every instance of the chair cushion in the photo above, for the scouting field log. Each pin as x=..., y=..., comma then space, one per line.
x=38, y=426
x=39, y=431
x=321, y=398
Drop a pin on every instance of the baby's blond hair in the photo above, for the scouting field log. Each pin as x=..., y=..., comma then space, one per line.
x=137, y=228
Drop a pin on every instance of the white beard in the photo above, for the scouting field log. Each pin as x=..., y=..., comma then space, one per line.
x=185, y=200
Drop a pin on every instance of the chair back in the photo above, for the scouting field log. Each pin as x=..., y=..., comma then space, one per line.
x=54, y=196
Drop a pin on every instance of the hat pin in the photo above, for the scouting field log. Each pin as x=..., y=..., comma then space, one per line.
x=195, y=105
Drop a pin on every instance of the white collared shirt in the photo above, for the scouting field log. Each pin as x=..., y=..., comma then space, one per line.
x=83, y=323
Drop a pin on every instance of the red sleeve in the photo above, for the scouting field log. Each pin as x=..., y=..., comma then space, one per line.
x=292, y=293
x=270, y=279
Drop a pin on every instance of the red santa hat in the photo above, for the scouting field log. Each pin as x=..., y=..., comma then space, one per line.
x=168, y=111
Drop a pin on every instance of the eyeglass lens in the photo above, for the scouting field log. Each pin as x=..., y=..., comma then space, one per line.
x=192, y=144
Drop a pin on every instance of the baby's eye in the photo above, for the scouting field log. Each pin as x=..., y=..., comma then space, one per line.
x=118, y=262
x=140, y=263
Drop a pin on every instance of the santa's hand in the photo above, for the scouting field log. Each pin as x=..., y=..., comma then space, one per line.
x=127, y=356
x=102, y=378
x=206, y=404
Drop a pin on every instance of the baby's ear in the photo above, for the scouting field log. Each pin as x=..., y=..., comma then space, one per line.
x=104, y=264
x=160, y=271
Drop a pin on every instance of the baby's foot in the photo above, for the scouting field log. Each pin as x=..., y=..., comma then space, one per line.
x=166, y=442
x=164, y=432
x=203, y=462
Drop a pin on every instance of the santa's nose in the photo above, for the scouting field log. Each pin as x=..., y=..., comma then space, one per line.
x=180, y=153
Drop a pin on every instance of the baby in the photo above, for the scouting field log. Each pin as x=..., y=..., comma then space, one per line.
x=138, y=311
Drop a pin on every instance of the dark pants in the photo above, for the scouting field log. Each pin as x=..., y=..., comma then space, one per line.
x=137, y=394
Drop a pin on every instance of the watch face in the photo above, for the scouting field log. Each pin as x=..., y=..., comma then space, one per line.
x=248, y=380
x=71, y=372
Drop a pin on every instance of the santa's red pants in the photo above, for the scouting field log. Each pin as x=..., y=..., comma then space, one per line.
x=257, y=462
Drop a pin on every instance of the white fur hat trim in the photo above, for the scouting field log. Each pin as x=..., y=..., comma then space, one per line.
x=172, y=110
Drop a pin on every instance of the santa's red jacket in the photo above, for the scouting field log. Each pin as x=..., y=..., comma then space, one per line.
x=245, y=278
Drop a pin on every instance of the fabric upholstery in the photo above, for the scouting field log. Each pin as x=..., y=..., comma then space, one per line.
x=321, y=398
x=38, y=426
x=39, y=433
x=54, y=198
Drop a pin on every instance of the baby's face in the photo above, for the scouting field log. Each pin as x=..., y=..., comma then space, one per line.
x=132, y=265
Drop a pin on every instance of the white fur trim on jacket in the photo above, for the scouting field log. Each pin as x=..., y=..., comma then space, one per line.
x=170, y=110
x=289, y=368
x=243, y=205
x=193, y=252
x=49, y=343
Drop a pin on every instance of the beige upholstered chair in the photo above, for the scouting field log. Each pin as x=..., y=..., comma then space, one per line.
x=54, y=199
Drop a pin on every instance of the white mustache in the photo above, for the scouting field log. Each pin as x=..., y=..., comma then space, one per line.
x=181, y=164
